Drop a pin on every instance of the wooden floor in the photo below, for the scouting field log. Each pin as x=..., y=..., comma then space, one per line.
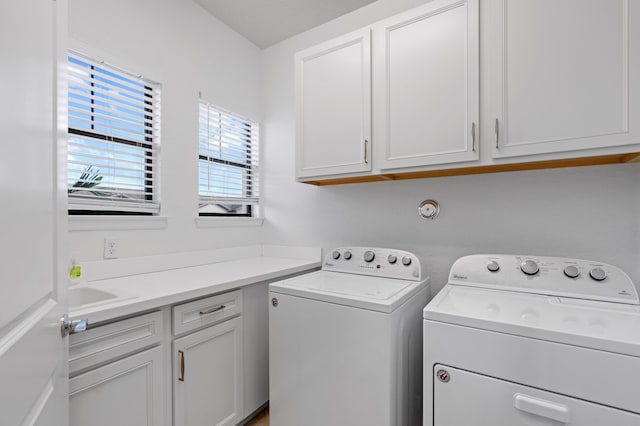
x=261, y=419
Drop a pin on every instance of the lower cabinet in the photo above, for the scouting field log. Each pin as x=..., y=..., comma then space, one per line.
x=125, y=392
x=207, y=369
x=201, y=362
x=117, y=373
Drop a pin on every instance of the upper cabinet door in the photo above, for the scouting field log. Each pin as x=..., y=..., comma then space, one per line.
x=333, y=106
x=563, y=75
x=426, y=72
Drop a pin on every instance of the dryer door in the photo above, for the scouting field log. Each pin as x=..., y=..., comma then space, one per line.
x=462, y=398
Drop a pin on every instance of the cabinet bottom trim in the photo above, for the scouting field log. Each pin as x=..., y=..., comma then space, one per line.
x=493, y=168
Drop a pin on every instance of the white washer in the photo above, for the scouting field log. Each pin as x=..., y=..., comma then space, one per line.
x=526, y=340
x=345, y=343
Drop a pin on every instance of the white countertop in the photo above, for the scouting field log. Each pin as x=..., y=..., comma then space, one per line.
x=146, y=291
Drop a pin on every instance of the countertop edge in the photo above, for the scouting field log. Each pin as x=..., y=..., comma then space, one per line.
x=131, y=306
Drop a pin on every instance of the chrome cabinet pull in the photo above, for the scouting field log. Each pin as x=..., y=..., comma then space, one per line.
x=365, y=152
x=212, y=310
x=497, y=134
x=181, y=374
x=473, y=136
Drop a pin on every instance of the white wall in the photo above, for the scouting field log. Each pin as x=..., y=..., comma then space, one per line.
x=178, y=44
x=589, y=212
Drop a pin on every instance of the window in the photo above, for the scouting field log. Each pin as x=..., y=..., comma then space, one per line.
x=113, y=142
x=228, y=163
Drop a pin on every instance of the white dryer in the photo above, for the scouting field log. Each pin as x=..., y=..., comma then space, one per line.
x=528, y=340
x=345, y=343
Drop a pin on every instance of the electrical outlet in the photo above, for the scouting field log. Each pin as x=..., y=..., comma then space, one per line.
x=110, y=248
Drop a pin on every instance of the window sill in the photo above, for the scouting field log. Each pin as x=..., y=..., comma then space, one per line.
x=228, y=222
x=116, y=223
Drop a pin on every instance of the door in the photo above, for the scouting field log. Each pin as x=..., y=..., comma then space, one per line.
x=333, y=106
x=207, y=369
x=490, y=401
x=426, y=82
x=33, y=364
x=562, y=75
x=125, y=392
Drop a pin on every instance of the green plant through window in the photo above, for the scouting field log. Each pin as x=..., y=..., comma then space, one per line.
x=88, y=179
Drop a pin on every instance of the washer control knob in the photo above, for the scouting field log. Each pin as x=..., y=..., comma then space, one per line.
x=347, y=255
x=335, y=254
x=406, y=260
x=598, y=274
x=572, y=271
x=392, y=258
x=369, y=256
x=493, y=266
x=529, y=267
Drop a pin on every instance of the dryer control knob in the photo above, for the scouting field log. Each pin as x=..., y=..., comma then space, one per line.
x=493, y=266
x=529, y=267
x=347, y=255
x=335, y=254
x=392, y=258
x=406, y=260
x=369, y=256
x=598, y=274
x=572, y=271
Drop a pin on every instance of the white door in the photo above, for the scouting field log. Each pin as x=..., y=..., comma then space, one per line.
x=333, y=106
x=562, y=75
x=207, y=367
x=33, y=364
x=426, y=82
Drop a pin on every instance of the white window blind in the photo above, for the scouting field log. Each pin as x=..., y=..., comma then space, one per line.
x=228, y=162
x=113, y=143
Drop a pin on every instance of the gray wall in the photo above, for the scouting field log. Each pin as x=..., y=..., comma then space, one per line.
x=180, y=45
x=589, y=212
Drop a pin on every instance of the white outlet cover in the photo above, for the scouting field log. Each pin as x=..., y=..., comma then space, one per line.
x=110, y=248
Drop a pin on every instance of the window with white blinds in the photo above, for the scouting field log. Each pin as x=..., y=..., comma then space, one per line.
x=228, y=163
x=113, y=143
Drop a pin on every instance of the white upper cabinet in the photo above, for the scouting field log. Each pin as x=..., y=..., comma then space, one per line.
x=426, y=85
x=333, y=106
x=561, y=75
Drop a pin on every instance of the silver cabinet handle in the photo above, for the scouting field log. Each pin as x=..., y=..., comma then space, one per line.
x=212, y=310
x=68, y=326
x=181, y=374
x=497, y=134
x=473, y=136
x=365, y=152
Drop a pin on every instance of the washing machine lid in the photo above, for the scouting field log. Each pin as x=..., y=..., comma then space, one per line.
x=360, y=291
x=607, y=326
x=574, y=301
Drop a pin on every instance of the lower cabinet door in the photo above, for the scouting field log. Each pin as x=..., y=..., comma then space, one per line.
x=128, y=392
x=462, y=398
x=207, y=368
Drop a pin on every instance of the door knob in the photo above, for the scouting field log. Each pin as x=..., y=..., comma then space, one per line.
x=68, y=326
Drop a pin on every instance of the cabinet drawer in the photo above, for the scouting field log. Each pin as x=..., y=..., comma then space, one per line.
x=101, y=344
x=192, y=315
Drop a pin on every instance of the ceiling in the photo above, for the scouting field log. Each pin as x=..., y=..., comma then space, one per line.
x=267, y=22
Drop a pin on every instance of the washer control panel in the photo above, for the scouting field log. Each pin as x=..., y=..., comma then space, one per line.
x=380, y=262
x=554, y=276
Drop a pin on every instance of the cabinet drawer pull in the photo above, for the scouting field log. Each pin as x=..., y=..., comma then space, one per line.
x=212, y=310
x=365, y=152
x=473, y=136
x=497, y=134
x=181, y=375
